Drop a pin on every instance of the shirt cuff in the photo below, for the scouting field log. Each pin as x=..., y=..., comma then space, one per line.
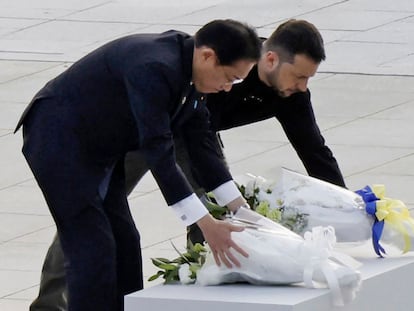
x=226, y=193
x=190, y=209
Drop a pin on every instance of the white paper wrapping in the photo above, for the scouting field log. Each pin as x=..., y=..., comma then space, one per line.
x=280, y=256
x=311, y=202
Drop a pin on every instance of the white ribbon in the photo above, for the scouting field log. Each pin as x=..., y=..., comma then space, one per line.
x=319, y=244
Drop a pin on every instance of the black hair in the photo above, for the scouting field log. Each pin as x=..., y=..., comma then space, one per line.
x=231, y=41
x=296, y=37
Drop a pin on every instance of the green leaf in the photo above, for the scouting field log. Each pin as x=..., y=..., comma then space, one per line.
x=164, y=260
x=155, y=276
x=193, y=254
x=194, y=268
x=199, y=248
x=171, y=277
x=168, y=266
x=159, y=261
x=179, y=261
x=185, y=259
x=215, y=210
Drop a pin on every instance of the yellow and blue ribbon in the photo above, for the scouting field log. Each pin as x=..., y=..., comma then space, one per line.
x=383, y=209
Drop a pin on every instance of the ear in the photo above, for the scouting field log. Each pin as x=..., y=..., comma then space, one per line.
x=272, y=59
x=208, y=54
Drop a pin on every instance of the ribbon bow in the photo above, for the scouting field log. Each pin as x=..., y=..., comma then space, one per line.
x=383, y=209
x=319, y=244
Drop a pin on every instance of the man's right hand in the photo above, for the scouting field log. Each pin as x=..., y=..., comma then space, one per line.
x=217, y=234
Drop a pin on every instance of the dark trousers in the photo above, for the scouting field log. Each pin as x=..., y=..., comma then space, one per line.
x=88, y=201
x=53, y=294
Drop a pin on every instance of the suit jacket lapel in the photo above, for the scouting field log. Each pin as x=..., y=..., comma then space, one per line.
x=186, y=96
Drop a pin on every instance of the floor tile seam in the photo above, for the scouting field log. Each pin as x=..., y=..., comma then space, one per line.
x=10, y=102
x=55, y=64
x=31, y=52
x=252, y=140
x=372, y=28
x=85, y=9
x=370, y=42
x=249, y=157
x=339, y=125
x=304, y=13
x=331, y=144
x=372, y=145
x=163, y=241
x=23, y=18
x=98, y=21
x=48, y=20
x=26, y=234
x=324, y=76
x=65, y=17
x=360, y=73
x=19, y=270
x=8, y=132
x=396, y=59
x=384, y=163
x=35, y=60
x=194, y=12
x=392, y=10
x=139, y=194
x=367, y=116
x=13, y=32
x=23, y=244
x=24, y=214
x=388, y=174
x=143, y=193
x=8, y=296
x=392, y=21
x=19, y=183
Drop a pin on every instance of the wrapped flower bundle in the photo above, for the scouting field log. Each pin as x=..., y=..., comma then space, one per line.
x=302, y=202
x=277, y=256
x=291, y=231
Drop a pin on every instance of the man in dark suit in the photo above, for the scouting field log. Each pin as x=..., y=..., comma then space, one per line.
x=132, y=94
x=276, y=87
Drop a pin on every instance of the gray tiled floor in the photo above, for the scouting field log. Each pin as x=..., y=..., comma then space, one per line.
x=363, y=97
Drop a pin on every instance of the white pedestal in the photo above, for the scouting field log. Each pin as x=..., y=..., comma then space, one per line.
x=387, y=285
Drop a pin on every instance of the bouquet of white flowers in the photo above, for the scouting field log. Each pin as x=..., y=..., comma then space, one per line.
x=301, y=202
x=277, y=256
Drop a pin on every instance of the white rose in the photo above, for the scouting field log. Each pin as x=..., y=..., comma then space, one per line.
x=184, y=274
x=249, y=189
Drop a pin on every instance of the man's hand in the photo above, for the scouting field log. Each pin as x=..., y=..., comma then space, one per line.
x=217, y=233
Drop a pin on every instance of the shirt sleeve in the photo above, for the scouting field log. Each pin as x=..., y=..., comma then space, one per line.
x=190, y=209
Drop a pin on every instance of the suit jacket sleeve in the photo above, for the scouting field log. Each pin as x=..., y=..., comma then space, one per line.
x=206, y=158
x=152, y=98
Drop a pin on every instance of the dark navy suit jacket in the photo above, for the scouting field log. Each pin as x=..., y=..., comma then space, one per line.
x=124, y=96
